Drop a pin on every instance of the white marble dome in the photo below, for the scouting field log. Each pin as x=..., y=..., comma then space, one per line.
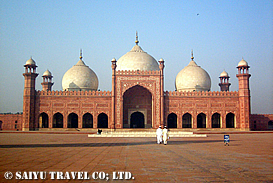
x=192, y=78
x=242, y=63
x=80, y=78
x=137, y=59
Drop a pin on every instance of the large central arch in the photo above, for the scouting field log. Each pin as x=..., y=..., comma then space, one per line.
x=137, y=99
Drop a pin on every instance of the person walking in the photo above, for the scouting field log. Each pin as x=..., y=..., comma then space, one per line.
x=165, y=135
x=159, y=135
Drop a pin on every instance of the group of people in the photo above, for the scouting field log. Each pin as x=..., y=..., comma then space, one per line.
x=162, y=135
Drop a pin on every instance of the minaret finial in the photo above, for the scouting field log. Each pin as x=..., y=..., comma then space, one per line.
x=192, y=55
x=81, y=54
x=136, y=39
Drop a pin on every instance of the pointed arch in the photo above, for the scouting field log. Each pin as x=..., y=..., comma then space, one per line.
x=72, y=120
x=230, y=120
x=57, y=120
x=43, y=120
x=137, y=99
x=87, y=120
x=137, y=120
x=172, y=120
x=201, y=120
x=215, y=120
x=187, y=120
x=102, y=120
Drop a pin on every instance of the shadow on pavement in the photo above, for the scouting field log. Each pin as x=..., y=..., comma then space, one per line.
x=104, y=144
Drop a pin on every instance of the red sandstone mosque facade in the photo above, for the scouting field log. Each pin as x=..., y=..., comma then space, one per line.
x=137, y=99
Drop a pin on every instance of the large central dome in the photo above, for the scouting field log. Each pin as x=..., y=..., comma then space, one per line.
x=137, y=59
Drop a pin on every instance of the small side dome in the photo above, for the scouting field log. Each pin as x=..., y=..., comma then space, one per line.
x=47, y=73
x=192, y=78
x=30, y=62
x=80, y=78
x=242, y=63
x=224, y=74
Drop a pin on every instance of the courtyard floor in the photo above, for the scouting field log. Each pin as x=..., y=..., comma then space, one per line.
x=249, y=158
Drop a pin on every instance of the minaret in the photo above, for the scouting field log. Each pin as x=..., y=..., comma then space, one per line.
x=114, y=66
x=224, y=81
x=161, y=67
x=29, y=96
x=47, y=81
x=244, y=94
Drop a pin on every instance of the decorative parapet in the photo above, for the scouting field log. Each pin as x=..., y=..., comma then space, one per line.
x=137, y=72
x=74, y=93
x=201, y=93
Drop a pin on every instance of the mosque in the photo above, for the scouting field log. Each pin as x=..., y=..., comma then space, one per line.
x=137, y=99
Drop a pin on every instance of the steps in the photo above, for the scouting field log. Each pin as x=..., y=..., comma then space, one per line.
x=145, y=134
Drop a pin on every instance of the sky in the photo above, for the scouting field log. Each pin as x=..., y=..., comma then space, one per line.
x=220, y=33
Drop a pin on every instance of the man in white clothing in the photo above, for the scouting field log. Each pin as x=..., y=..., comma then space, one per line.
x=159, y=135
x=165, y=135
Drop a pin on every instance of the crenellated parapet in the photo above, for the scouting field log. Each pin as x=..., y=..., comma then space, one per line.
x=202, y=93
x=137, y=72
x=74, y=93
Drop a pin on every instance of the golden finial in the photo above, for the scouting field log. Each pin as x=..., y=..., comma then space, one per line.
x=81, y=54
x=192, y=55
x=136, y=39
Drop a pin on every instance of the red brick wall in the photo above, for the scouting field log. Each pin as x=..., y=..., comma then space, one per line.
x=208, y=103
x=11, y=121
x=78, y=102
x=260, y=121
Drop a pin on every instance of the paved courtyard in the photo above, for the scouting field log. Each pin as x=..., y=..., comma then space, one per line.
x=249, y=158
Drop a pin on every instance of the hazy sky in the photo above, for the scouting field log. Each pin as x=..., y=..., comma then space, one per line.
x=219, y=32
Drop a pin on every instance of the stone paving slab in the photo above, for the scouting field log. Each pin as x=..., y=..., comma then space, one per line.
x=249, y=158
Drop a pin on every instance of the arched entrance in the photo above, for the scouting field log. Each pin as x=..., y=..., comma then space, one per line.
x=58, y=120
x=270, y=125
x=102, y=120
x=87, y=120
x=43, y=120
x=215, y=120
x=172, y=120
x=72, y=121
x=201, y=120
x=186, y=120
x=137, y=120
x=230, y=120
x=137, y=99
x=1, y=125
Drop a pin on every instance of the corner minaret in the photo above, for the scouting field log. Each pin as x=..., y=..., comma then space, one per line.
x=244, y=94
x=47, y=81
x=29, y=96
x=161, y=67
x=114, y=66
x=224, y=81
